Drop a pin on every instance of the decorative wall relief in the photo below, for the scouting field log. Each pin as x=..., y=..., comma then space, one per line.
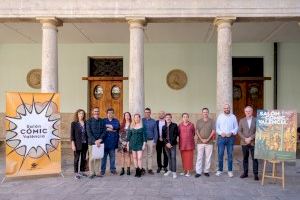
x=34, y=78
x=177, y=79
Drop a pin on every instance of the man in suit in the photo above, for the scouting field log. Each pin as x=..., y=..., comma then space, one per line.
x=247, y=129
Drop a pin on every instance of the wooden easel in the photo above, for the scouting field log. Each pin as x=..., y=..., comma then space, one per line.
x=274, y=171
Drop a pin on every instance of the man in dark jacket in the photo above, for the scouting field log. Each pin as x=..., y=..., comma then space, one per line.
x=111, y=140
x=95, y=131
x=169, y=135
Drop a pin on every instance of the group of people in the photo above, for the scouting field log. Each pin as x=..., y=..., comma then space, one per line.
x=136, y=138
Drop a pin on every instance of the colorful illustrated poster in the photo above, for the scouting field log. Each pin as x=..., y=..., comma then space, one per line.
x=32, y=134
x=276, y=135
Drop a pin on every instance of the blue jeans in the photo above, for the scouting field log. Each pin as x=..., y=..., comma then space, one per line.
x=227, y=142
x=171, y=153
x=112, y=158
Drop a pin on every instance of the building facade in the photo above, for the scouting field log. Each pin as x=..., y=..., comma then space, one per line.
x=202, y=40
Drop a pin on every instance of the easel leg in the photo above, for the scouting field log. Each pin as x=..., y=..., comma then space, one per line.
x=3, y=180
x=274, y=172
x=283, y=175
x=264, y=172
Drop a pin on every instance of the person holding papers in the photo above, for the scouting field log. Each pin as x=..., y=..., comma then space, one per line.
x=95, y=131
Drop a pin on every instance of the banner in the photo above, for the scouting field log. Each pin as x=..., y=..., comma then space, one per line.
x=276, y=135
x=32, y=134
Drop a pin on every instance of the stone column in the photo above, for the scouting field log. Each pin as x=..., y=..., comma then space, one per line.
x=224, y=62
x=224, y=72
x=136, y=65
x=49, y=79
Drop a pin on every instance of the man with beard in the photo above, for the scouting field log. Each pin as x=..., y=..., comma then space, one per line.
x=226, y=127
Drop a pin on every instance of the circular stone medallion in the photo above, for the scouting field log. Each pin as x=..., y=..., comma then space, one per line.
x=176, y=79
x=34, y=78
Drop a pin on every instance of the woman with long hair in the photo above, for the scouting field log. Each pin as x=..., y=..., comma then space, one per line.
x=137, y=139
x=123, y=140
x=79, y=142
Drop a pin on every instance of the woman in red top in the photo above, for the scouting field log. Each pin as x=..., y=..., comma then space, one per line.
x=186, y=143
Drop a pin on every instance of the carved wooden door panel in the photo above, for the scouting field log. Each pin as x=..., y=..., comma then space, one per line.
x=106, y=94
x=247, y=93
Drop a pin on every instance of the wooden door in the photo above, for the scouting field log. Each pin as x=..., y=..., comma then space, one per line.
x=106, y=94
x=247, y=92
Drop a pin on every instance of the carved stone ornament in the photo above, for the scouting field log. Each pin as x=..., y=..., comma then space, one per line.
x=115, y=92
x=237, y=92
x=176, y=79
x=34, y=78
x=98, y=92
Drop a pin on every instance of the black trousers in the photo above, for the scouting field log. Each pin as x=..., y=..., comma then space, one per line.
x=160, y=148
x=80, y=154
x=246, y=149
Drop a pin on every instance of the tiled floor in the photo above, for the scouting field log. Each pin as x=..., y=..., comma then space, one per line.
x=148, y=187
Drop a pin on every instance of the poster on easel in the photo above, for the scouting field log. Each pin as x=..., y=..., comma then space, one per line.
x=276, y=135
x=32, y=134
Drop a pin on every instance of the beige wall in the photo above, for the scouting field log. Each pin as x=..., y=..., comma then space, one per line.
x=289, y=76
x=197, y=60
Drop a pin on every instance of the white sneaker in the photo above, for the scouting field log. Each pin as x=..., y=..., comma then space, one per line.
x=187, y=174
x=182, y=174
x=174, y=175
x=230, y=174
x=167, y=173
x=218, y=173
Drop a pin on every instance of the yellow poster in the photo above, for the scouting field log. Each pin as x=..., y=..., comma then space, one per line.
x=32, y=134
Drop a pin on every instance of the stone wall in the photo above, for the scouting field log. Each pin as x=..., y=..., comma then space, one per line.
x=155, y=9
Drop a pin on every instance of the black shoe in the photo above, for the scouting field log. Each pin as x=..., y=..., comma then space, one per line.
x=122, y=172
x=150, y=172
x=158, y=170
x=197, y=175
x=165, y=169
x=113, y=173
x=139, y=172
x=128, y=171
x=256, y=177
x=143, y=171
x=136, y=172
x=92, y=176
x=77, y=176
x=244, y=175
x=82, y=174
x=206, y=174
